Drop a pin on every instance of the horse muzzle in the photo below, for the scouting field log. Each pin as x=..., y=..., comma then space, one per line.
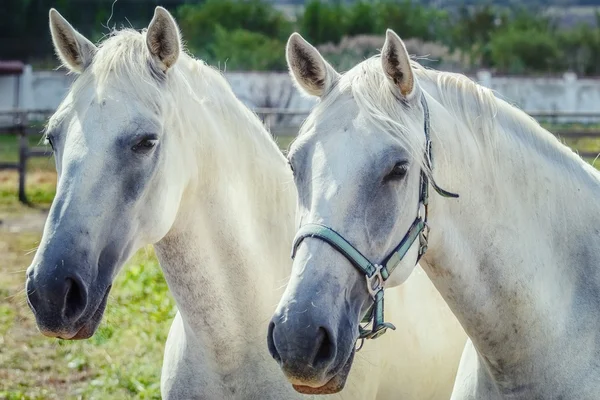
x=64, y=308
x=334, y=385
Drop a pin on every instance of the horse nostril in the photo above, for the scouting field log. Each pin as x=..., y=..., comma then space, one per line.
x=75, y=299
x=271, y=343
x=325, y=349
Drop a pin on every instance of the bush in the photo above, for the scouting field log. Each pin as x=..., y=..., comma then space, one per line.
x=249, y=51
x=323, y=22
x=199, y=22
x=489, y=34
x=581, y=46
x=519, y=50
x=362, y=19
x=411, y=20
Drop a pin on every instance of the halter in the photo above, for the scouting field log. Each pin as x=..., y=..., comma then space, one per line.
x=377, y=274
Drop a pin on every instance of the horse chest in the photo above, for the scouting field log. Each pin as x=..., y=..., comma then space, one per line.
x=553, y=374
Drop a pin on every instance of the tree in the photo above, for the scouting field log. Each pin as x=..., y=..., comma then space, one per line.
x=581, y=47
x=323, y=22
x=248, y=51
x=199, y=22
x=412, y=20
x=519, y=50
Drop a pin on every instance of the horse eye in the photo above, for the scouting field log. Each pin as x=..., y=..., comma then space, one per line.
x=145, y=145
x=291, y=166
x=398, y=172
x=50, y=141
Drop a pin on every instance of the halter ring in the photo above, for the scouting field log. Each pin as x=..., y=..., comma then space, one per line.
x=375, y=281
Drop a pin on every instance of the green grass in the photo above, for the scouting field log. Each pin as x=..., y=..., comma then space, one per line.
x=9, y=152
x=41, y=177
x=38, y=194
x=121, y=361
x=40, y=187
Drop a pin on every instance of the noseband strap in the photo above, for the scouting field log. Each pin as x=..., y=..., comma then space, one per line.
x=377, y=274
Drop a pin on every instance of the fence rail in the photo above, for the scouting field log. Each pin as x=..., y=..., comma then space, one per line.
x=18, y=122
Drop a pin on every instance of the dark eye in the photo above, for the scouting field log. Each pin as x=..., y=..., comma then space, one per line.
x=50, y=141
x=145, y=145
x=291, y=166
x=398, y=172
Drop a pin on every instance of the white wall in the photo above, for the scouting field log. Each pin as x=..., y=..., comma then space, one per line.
x=45, y=90
x=563, y=94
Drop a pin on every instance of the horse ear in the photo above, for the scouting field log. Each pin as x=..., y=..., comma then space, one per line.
x=396, y=64
x=73, y=49
x=308, y=68
x=163, y=39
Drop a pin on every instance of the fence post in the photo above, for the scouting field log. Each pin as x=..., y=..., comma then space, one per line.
x=23, y=153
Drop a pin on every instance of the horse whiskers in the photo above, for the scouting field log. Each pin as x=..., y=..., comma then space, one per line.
x=19, y=293
x=31, y=251
x=283, y=286
x=20, y=271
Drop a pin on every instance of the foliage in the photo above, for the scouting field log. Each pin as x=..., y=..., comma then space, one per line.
x=323, y=22
x=521, y=50
x=240, y=49
x=581, y=47
x=508, y=36
x=242, y=32
x=24, y=35
x=411, y=20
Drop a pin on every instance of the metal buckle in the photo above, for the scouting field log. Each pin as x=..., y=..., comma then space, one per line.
x=380, y=330
x=422, y=211
x=375, y=281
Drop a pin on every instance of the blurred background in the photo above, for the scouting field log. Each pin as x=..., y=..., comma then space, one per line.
x=543, y=56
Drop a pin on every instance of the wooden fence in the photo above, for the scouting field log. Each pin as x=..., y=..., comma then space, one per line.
x=18, y=123
x=278, y=122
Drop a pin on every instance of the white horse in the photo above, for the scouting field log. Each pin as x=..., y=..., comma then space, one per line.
x=516, y=256
x=152, y=146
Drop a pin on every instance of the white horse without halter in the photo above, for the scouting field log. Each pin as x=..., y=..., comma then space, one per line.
x=516, y=256
x=152, y=146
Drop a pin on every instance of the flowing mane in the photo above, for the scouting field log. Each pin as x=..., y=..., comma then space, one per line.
x=490, y=119
x=486, y=118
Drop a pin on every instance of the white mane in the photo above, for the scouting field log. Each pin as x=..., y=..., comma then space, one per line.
x=483, y=116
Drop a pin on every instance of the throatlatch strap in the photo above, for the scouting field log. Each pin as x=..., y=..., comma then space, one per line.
x=391, y=261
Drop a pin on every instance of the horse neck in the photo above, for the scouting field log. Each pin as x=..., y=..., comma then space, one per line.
x=510, y=255
x=226, y=259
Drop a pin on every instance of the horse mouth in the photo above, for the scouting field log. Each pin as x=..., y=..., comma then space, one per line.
x=334, y=385
x=90, y=325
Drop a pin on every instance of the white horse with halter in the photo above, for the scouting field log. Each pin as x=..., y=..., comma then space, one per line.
x=515, y=257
